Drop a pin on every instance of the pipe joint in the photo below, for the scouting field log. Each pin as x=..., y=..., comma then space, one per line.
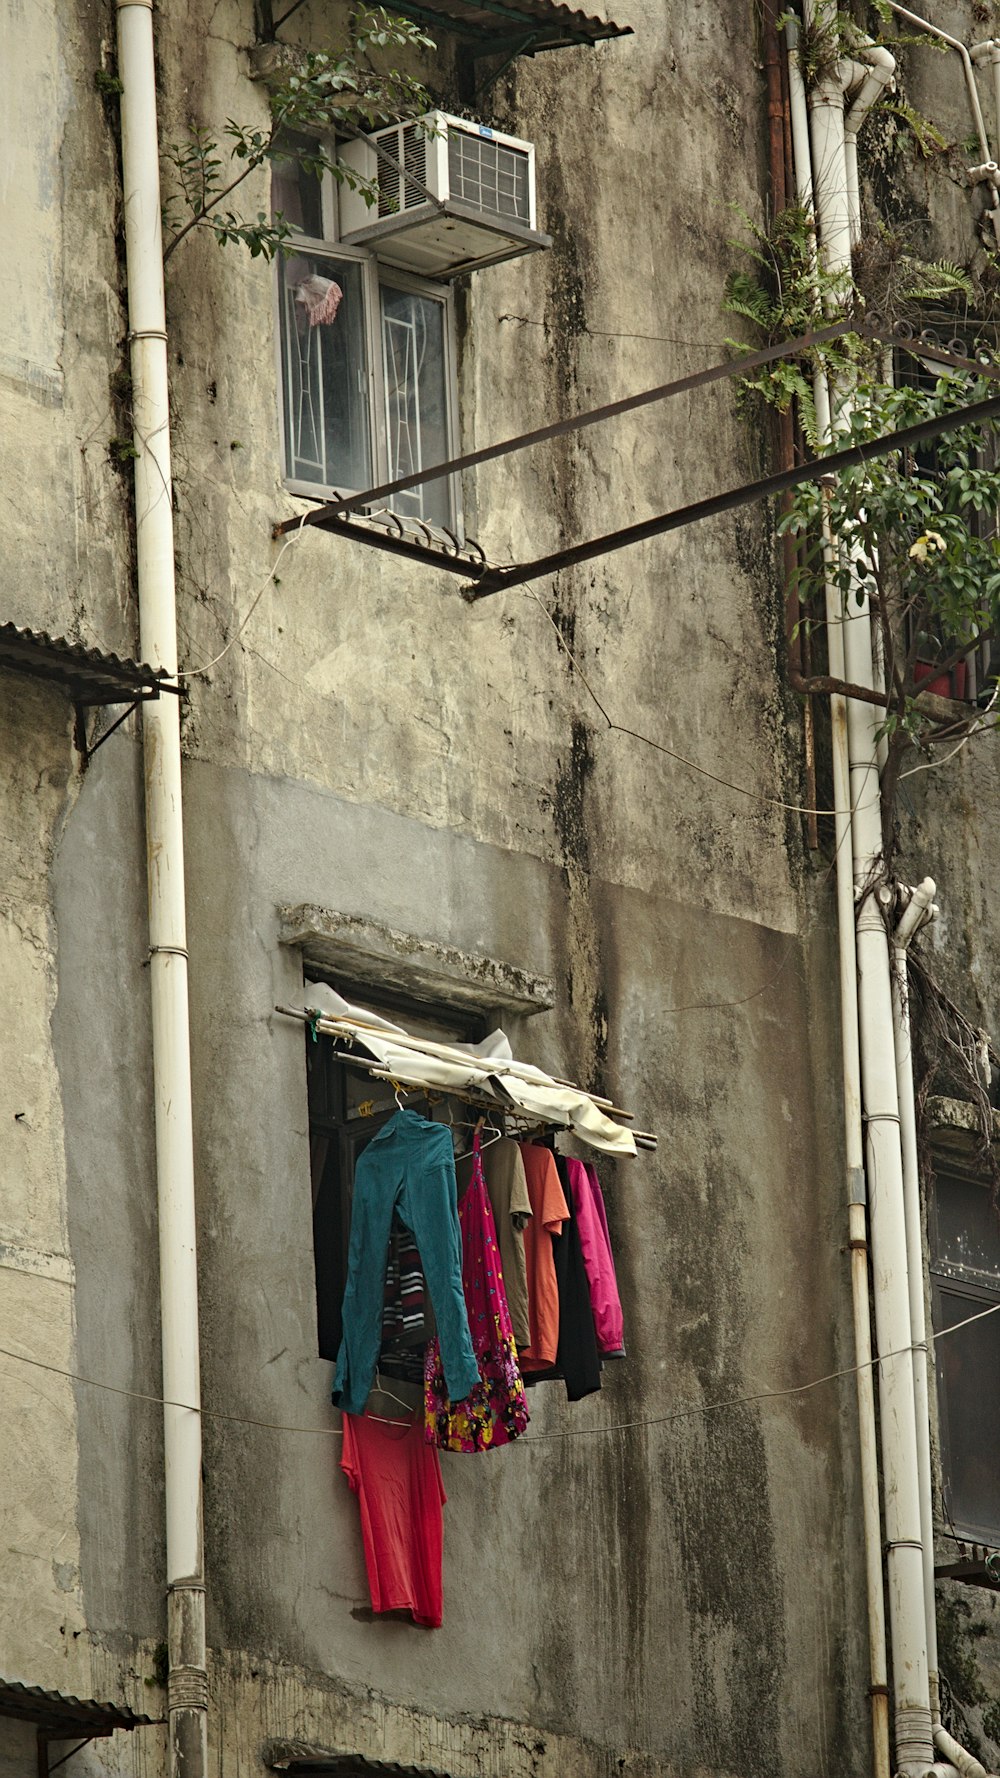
x=187, y=1688
x=914, y=1746
x=961, y=1760
x=920, y=910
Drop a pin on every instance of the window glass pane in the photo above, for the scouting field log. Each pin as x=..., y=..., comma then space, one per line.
x=968, y=1228
x=968, y=1370
x=416, y=398
x=295, y=194
x=325, y=379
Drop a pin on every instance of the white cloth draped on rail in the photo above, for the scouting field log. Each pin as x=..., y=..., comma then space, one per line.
x=486, y=1067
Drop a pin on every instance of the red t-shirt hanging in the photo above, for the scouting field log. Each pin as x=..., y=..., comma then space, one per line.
x=397, y=1479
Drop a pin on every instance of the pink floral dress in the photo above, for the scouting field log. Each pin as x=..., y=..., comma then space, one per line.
x=497, y=1409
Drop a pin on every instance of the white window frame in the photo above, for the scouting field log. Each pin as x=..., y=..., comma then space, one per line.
x=376, y=273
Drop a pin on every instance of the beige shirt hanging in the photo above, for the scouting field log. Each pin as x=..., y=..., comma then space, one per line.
x=503, y=1170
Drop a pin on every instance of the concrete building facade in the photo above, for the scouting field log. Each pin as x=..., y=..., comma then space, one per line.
x=573, y=809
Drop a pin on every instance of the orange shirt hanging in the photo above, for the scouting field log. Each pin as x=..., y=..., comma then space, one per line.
x=549, y=1211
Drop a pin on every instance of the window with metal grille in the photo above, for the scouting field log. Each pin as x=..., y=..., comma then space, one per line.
x=964, y=1226
x=366, y=363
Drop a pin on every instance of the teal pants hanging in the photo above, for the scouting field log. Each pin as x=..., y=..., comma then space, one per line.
x=409, y=1168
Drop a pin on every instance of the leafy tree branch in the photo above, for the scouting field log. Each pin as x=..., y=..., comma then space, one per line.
x=345, y=91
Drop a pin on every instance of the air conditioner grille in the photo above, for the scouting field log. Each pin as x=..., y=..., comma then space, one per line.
x=489, y=175
x=407, y=145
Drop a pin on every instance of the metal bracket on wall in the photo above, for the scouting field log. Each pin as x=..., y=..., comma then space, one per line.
x=80, y=742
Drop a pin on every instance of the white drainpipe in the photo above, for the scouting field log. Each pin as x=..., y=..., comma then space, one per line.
x=851, y=1060
x=989, y=171
x=904, y=1559
x=919, y=911
x=990, y=52
x=187, y=1696
x=890, y=1115
x=881, y=76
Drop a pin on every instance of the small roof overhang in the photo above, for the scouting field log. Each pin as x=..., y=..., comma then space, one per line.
x=88, y=674
x=512, y=27
x=58, y=1717
x=300, y=1756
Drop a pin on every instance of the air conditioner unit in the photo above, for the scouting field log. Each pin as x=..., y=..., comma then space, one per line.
x=452, y=195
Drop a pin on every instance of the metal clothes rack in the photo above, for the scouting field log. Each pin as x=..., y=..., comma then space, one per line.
x=481, y=1098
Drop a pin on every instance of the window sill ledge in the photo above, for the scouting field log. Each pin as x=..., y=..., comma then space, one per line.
x=365, y=953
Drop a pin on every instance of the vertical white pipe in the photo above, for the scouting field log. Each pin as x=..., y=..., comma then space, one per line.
x=880, y=76
x=920, y=906
x=850, y=1053
x=857, y=1196
x=187, y=1682
x=904, y=1564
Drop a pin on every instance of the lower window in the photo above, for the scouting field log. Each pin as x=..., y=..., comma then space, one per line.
x=965, y=1279
x=347, y=1107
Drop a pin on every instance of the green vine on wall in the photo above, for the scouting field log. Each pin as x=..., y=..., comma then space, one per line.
x=914, y=530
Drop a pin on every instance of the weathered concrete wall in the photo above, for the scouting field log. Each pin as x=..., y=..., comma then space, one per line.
x=682, y=1597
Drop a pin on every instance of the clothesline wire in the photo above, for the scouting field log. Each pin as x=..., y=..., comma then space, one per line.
x=694, y=1410
x=293, y=537
x=612, y=333
x=619, y=728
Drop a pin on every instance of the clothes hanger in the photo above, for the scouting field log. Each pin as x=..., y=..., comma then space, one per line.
x=379, y=1388
x=494, y=1133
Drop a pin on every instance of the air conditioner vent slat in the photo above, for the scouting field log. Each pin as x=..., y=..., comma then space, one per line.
x=488, y=175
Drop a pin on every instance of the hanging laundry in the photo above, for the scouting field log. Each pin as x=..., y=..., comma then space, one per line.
x=396, y=1476
x=577, y=1357
x=587, y=1200
x=407, y=1316
x=549, y=1211
x=495, y=1411
x=407, y=1319
x=503, y=1171
x=409, y=1167
x=319, y=298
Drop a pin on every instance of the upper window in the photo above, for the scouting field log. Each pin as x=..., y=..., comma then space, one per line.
x=965, y=1279
x=367, y=364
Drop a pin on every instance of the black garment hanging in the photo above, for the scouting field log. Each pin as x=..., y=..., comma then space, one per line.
x=577, y=1355
x=578, y=1361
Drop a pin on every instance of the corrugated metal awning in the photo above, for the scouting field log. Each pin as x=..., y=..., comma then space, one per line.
x=60, y=1717
x=300, y=1756
x=494, y=26
x=88, y=674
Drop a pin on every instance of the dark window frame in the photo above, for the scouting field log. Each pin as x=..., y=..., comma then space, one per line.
x=975, y=1288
